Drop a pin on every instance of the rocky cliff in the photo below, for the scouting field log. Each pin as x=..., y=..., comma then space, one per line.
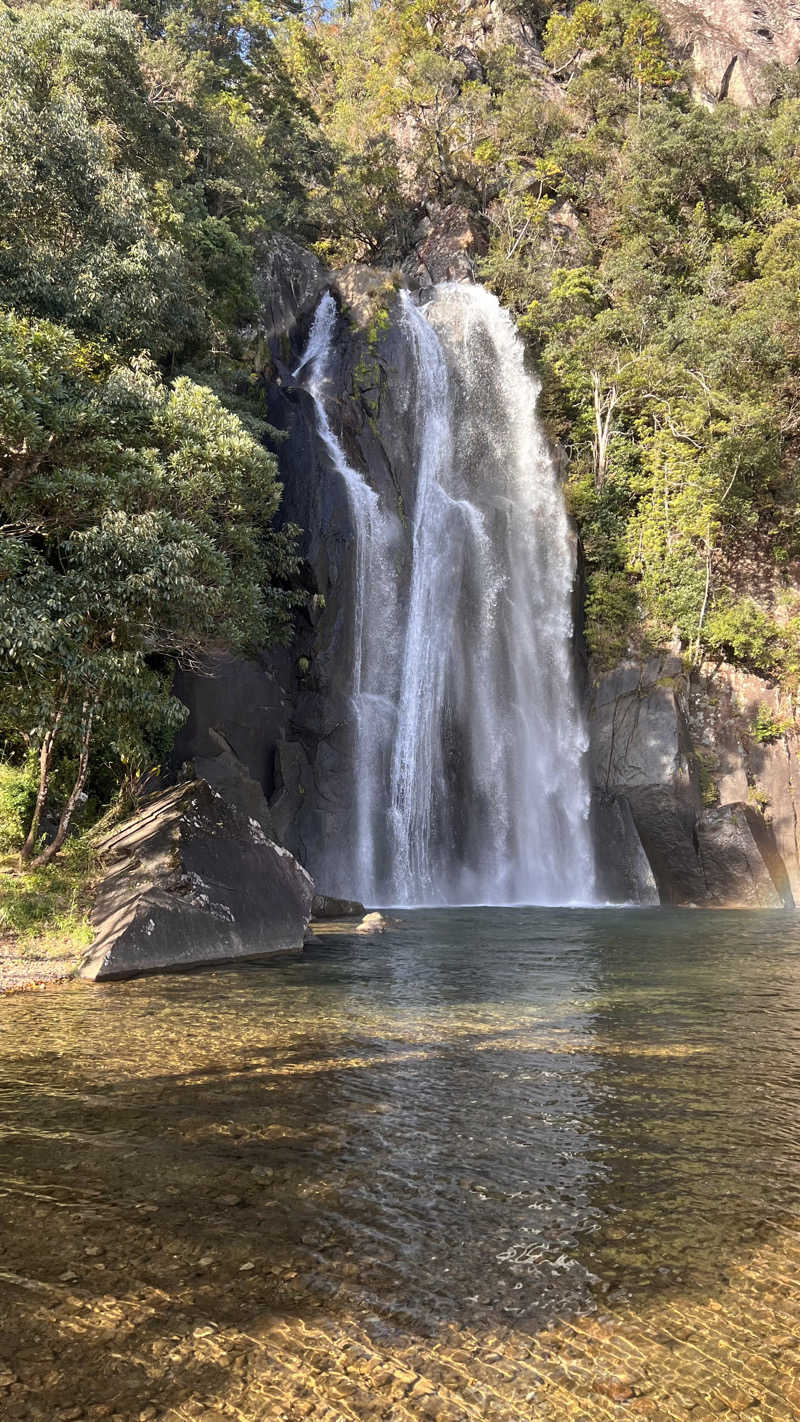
x=274, y=734
x=731, y=43
x=691, y=807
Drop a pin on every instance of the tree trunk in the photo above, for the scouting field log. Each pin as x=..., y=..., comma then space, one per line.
x=604, y=407
x=45, y=766
x=51, y=850
x=696, y=658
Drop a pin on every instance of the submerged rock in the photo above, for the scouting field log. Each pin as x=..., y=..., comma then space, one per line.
x=371, y=923
x=191, y=880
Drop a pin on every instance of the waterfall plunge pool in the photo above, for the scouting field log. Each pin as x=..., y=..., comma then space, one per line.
x=520, y=1163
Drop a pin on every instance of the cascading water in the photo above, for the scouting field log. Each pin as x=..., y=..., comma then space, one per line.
x=468, y=741
x=374, y=602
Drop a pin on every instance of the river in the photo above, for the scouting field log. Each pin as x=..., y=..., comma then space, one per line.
x=493, y=1163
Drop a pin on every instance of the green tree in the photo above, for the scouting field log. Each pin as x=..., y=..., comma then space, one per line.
x=136, y=532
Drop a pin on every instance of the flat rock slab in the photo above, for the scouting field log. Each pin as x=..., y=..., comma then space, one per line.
x=190, y=881
x=323, y=906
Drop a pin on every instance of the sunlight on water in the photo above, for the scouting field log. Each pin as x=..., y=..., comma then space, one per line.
x=471, y=1145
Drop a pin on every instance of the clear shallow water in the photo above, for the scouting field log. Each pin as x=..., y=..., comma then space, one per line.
x=482, y=1119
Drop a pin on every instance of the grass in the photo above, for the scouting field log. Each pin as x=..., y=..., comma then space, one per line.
x=45, y=912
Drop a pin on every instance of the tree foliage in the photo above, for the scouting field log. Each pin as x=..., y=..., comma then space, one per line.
x=141, y=155
x=649, y=248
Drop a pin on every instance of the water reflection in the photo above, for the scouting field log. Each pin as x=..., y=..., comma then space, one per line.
x=483, y=1119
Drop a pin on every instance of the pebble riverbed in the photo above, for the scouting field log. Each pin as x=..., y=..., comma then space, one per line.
x=495, y=1164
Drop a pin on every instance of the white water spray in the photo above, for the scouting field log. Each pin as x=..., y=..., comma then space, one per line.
x=469, y=785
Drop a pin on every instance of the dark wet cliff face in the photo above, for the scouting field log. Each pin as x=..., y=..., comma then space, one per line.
x=369, y=393
x=279, y=728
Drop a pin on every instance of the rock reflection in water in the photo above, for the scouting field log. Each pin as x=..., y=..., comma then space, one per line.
x=499, y=1163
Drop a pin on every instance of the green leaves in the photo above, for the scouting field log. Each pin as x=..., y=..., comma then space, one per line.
x=743, y=632
x=139, y=155
x=666, y=323
x=136, y=533
x=134, y=172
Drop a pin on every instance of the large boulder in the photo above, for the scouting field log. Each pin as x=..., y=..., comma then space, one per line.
x=191, y=880
x=740, y=859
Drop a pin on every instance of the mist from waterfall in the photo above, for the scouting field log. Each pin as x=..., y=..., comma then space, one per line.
x=468, y=740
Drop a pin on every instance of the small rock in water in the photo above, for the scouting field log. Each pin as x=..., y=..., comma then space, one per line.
x=371, y=923
x=324, y=906
x=617, y=1388
x=262, y=1172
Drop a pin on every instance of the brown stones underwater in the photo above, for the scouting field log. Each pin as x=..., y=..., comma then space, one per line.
x=493, y=1165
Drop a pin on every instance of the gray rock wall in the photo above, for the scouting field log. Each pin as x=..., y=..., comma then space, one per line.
x=272, y=735
x=679, y=756
x=731, y=42
x=738, y=763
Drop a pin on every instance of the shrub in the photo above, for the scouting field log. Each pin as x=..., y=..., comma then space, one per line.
x=17, y=797
x=742, y=632
x=48, y=907
x=767, y=726
x=611, y=614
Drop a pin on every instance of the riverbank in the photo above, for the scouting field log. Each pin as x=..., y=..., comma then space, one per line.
x=21, y=973
x=44, y=917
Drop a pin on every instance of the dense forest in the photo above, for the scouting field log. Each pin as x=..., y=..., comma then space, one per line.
x=648, y=245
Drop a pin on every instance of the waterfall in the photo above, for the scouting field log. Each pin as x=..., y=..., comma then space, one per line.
x=468, y=740
x=353, y=863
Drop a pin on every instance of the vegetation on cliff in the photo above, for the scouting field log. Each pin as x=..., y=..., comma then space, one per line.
x=649, y=247
x=139, y=158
